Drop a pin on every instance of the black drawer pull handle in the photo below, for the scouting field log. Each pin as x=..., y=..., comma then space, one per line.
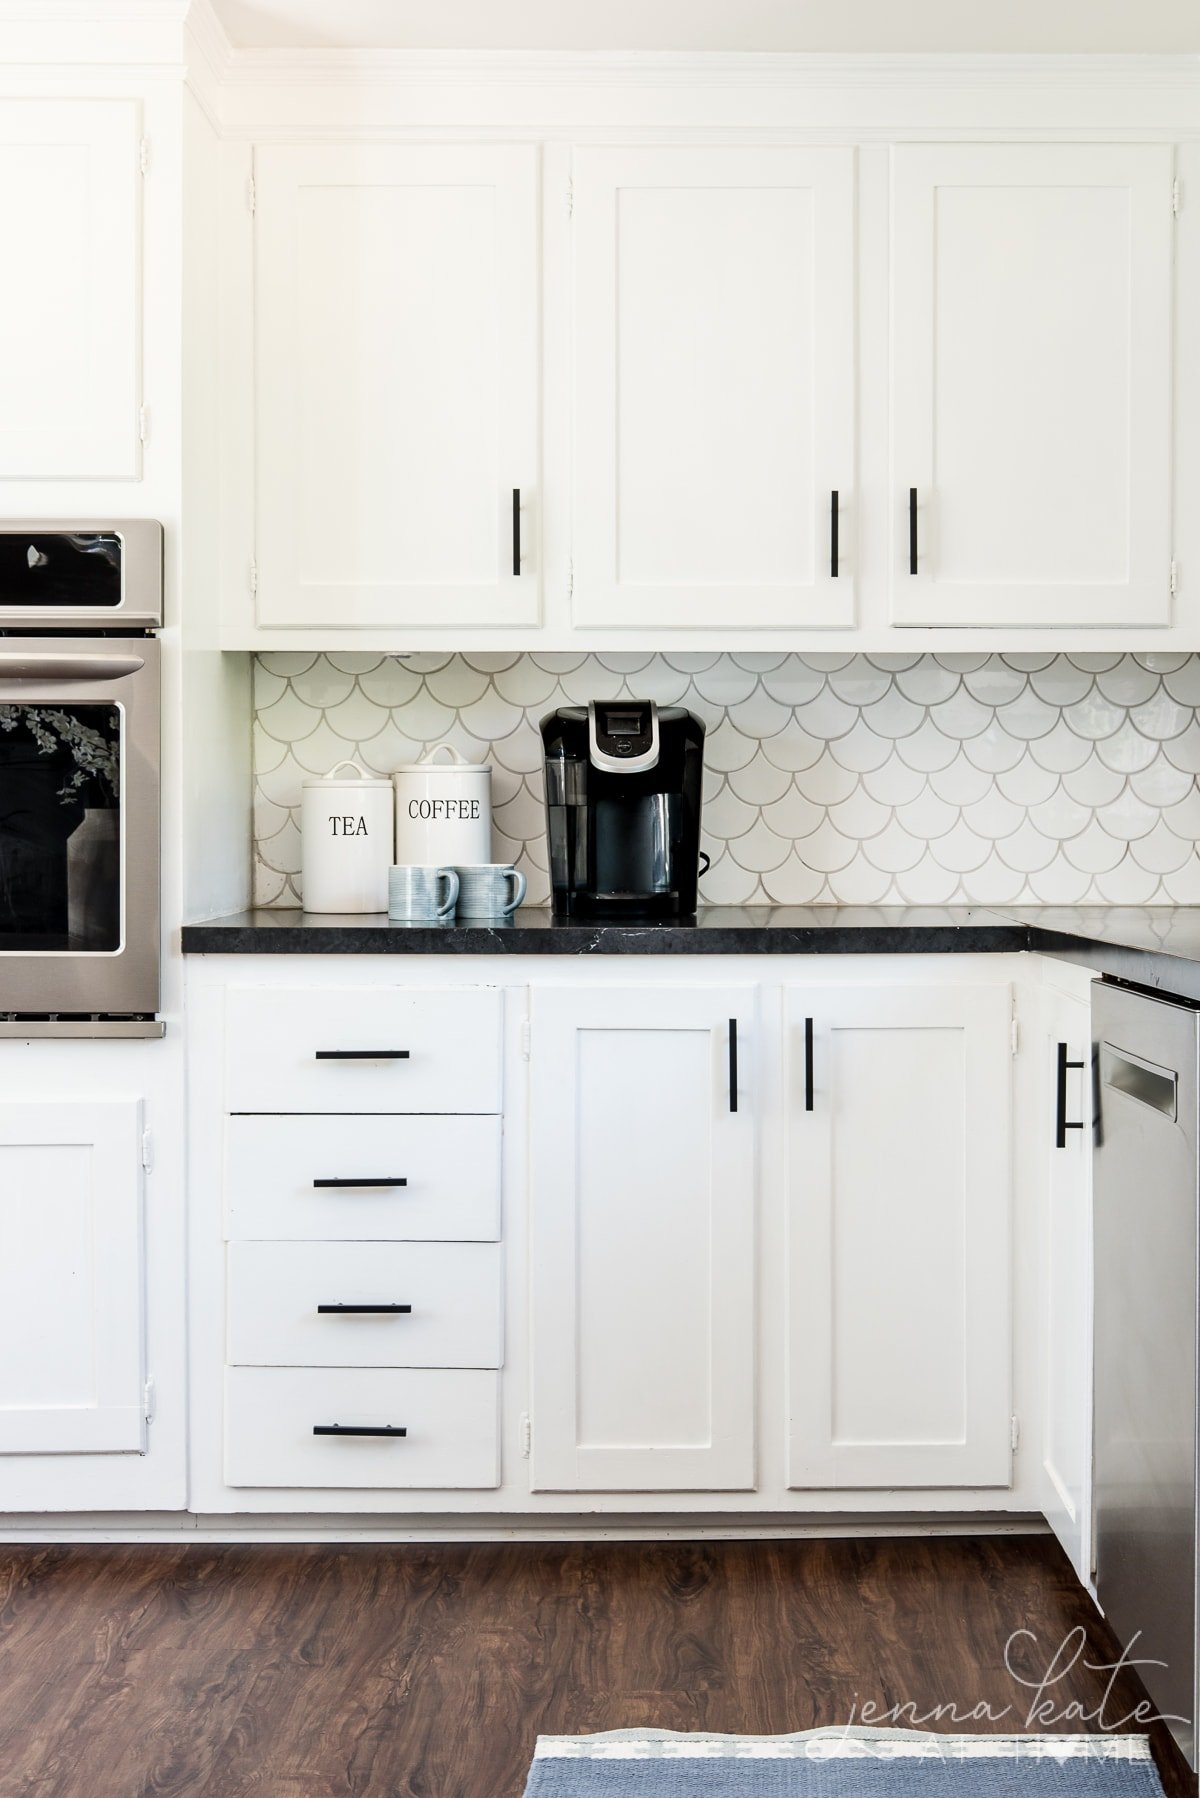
x=912, y=530
x=733, y=1077
x=364, y=1310
x=1061, y=1122
x=365, y=1181
x=359, y=1429
x=808, y=1064
x=517, y=532
x=833, y=534
x=362, y=1054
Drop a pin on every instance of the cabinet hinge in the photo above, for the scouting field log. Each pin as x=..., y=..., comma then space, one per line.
x=1014, y=1435
x=1174, y=575
x=144, y=156
x=570, y=195
x=251, y=196
x=143, y=423
x=571, y=578
x=1015, y=1036
x=1176, y=196
x=526, y=1037
x=526, y=1435
x=254, y=577
x=148, y=1398
x=147, y=1151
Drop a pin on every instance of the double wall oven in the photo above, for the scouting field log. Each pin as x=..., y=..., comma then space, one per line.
x=80, y=602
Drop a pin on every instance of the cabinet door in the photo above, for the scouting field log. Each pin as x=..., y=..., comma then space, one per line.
x=714, y=387
x=1064, y=1123
x=898, y=1226
x=396, y=327
x=1031, y=383
x=70, y=300
x=643, y=1240
x=71, y=1278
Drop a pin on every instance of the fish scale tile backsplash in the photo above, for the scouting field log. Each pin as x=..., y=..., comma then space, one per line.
x=874, y=780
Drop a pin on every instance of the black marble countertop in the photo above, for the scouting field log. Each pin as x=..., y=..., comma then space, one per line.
x=1154, y=946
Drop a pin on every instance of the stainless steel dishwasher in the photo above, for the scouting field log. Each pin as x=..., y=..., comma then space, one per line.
x=1147, y=1203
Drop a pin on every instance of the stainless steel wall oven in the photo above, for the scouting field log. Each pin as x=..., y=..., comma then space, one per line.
x=79, y=771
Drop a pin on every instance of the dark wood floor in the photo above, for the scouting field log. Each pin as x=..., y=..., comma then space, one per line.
x=307, y=1672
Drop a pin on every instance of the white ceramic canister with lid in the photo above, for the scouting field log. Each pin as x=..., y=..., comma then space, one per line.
x=346, y=841
x=444, y=810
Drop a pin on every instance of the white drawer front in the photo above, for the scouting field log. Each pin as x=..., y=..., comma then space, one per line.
x=449, y=1166
x=362, y=1049
x=274, y=1290
x=451, y=1420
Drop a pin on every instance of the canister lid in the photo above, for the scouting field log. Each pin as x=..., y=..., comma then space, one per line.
x=330, y=782
x=458, y=764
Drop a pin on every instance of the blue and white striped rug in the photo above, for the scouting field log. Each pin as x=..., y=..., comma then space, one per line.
x=841, y=1763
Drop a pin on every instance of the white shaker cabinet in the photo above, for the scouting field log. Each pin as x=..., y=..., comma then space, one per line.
x=1031, y=384
x=397, y=385
x=899, y=1306
x=1065, y=1123
x=71, y=1311
x=714, y=387
x=643, y=1200
x=71, y=297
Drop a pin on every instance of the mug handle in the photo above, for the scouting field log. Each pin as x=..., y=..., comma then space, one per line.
x=519, y=885
x=451, y=879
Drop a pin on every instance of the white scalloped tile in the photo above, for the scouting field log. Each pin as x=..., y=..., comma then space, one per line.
x=1129, y=683
x=1095, y=661
x=760, y=781
x=1028, y=783
x=830, y=777
x=894, y=782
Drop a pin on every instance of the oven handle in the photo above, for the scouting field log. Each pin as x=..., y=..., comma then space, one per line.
x=15, y=666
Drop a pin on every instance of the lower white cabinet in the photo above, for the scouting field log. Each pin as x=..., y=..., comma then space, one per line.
x=1066, y=1257
x=899, y=1301
x=643, y=1200
x=71, y=1311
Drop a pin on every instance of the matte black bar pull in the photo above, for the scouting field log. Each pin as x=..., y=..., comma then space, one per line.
x=365, y=1310
x=912, y=530
x=362, y=1054
x=808, y=1064
x=833, y=534
x=1061, y=1122
x=733, y=1077
x=363, y=1182
x=517, y=531
x=359, y=1429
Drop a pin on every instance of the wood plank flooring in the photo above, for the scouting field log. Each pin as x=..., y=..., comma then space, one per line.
x=426, y=1672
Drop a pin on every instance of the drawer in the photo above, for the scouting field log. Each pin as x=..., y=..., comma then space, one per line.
x=451, y=1419
x=274, y=1289
x=411, y=1179
x=362, y=1049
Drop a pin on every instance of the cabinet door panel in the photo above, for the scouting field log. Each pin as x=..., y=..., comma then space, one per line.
x=70, y=1278
x=898, y=1218
x=1067, y=1301
x=396, y=314
x=1031, y=383
x=643, y=1242
x=714, y=386
x=70, y=301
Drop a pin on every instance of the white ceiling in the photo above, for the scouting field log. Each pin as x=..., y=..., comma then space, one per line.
x=979, y=26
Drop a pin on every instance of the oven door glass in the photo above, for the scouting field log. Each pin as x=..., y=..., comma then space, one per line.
x=60, y=827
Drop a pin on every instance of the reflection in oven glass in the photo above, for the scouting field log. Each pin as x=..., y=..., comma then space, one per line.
x=60, y=827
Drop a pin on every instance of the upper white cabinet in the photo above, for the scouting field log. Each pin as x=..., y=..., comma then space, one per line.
x=899, y=1333
x=397, y=385
x=643, y=1196
x=1031, y=384
x=714, y=388
x=71, y=1315
x=70, y=300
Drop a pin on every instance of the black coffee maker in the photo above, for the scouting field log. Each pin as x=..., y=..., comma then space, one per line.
x=623, y=788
